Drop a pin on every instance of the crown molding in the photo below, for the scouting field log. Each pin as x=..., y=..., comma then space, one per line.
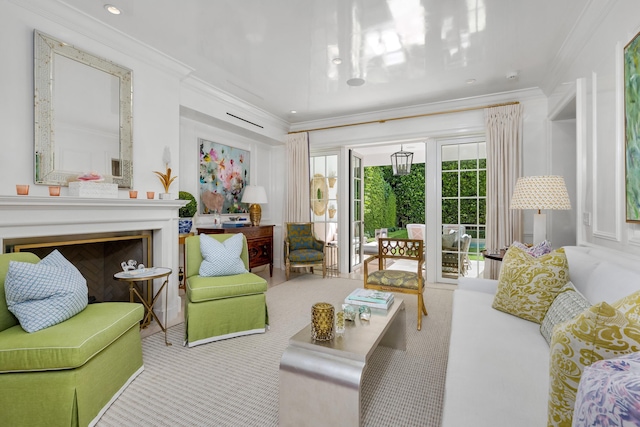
x=79, y=22
x=380, y=115
x=593, y=14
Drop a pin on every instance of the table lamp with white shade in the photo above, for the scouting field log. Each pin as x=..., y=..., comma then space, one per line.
x=540, y=192
x=254, y=195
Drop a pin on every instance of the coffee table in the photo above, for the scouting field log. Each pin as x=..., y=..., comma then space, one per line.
x=320, y=381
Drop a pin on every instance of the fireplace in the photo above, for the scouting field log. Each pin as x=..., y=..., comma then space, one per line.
x=101, y=233
x=97, y=256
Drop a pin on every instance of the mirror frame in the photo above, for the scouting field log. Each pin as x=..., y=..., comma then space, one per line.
x=45, y=47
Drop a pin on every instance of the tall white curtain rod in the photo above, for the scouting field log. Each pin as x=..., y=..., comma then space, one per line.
x=435, y=113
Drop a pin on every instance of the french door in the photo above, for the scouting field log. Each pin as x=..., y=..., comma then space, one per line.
x=462, y=170
x=356, y=197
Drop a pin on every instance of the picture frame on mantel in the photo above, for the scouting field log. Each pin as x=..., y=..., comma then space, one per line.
x=632, y=128
x=224, y=173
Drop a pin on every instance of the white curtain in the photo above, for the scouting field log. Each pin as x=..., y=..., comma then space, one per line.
x=504, y=146
x=297, y=200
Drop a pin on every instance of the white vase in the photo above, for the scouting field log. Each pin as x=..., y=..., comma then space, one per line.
x=167, y=196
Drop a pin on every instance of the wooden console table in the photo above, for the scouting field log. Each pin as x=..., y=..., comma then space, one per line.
x=259, y=242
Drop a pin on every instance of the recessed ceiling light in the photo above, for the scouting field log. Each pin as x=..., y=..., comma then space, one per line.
x=471, y=81
x=356, y=81
x=293, y=111
x=112, y=9
x=337, y=61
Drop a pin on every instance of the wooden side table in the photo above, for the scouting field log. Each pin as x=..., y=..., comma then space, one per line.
x=259, y=242
x=495, y=257
x=147, y=275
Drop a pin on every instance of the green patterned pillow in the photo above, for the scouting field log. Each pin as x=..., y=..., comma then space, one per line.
x=600, y=332
x=527, y=286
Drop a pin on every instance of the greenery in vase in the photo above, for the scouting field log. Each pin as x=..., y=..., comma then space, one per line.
x=190, y=209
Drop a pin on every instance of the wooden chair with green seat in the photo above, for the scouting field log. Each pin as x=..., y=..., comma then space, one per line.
x=302, y=248
x=407, y=282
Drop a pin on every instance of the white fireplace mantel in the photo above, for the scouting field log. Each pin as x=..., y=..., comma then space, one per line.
x=30, y=216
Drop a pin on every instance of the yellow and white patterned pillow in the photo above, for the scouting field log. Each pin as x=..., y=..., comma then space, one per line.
x=629, y=306
x=527, y=285
x=600, y=332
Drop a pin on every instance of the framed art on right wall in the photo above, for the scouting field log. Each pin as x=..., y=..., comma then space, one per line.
x=632, y=128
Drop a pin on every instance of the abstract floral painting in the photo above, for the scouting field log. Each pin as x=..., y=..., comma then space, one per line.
x=632, y=127
x=224, y=173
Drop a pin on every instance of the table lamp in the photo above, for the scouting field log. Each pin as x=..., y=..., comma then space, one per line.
x=254, y=195
x=540, y=192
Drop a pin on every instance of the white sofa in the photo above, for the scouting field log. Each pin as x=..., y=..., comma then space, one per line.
x=498, y=367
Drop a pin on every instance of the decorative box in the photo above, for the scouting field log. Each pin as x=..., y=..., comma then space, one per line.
x=96, y=190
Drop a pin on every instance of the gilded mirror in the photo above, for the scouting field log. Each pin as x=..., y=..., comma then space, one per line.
x=83, y=107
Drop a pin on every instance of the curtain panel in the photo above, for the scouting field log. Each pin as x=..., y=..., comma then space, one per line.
x=504, y=147
x=297, y=200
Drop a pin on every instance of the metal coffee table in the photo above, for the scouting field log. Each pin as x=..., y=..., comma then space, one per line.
x=320, y=381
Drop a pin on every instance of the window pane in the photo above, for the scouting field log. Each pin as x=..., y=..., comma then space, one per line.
x=469, y=164
x=452, y=165
x=450, y=211
x=482, y=184
x=468, y=211
x=449, y=184
x=468, y=183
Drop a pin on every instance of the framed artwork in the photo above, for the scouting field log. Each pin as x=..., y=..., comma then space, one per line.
x=224, y=173
x=632, y=128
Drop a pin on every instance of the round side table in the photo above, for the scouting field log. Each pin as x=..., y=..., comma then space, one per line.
x=142, y=275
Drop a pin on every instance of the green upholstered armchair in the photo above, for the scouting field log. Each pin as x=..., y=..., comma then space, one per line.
x=221, y=307
x=407, y=282
x=67, y=374
x=302, y=249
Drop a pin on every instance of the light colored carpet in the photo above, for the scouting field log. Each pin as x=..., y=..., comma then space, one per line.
x=235, y=382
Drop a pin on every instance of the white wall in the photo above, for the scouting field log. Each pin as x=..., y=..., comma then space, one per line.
x=600, y=206
x=156, y=89
x=266, y=168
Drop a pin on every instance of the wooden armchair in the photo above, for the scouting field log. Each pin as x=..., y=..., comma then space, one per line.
x=407, y=282
x=302, y=249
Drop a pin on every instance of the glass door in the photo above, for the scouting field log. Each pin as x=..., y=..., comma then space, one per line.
x=324, y=205
x=356, y=195
x=463, y=172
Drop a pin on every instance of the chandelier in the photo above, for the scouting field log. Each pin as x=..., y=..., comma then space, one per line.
x=401, y=162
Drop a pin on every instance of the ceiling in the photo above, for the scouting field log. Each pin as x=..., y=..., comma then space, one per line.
x=278, y=54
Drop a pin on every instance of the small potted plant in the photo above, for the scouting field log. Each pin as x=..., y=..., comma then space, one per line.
x=332, y=210
x=186, y=212
x=332, y=178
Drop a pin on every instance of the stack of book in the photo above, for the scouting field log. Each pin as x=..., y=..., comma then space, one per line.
x=371, y=298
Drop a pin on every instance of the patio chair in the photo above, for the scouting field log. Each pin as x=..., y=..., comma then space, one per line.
x=407, y=282
x=415, y=231
x=455, y=253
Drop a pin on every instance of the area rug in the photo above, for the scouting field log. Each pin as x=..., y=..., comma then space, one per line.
x=235, y=382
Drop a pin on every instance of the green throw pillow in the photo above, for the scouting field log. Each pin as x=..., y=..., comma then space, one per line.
x=527, y=286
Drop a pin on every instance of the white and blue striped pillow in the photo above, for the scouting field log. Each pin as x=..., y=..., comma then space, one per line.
x=221, y=258
x=45, y=294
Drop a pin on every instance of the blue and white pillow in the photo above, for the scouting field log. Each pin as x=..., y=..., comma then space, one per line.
x=221, y=258
x=45, y=294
